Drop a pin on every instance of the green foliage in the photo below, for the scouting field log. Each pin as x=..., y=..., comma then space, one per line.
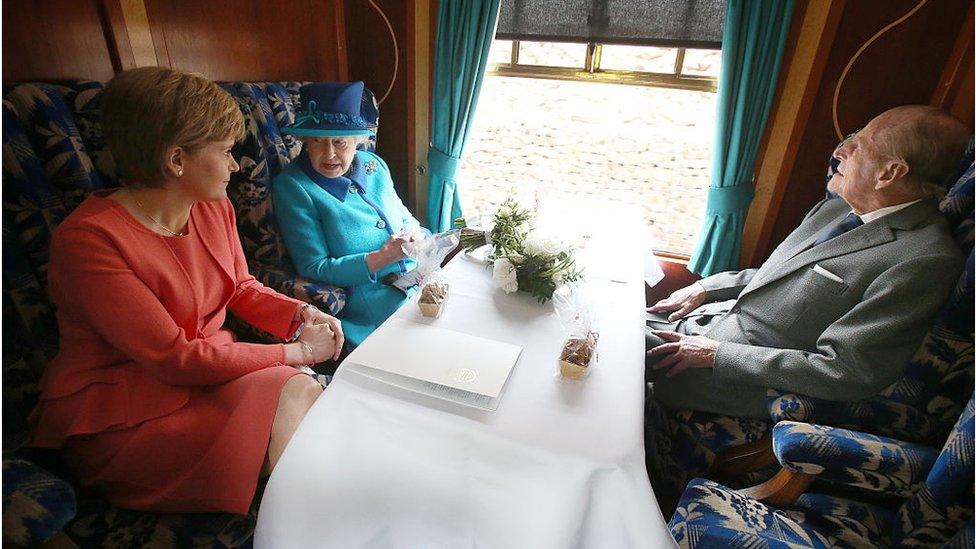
x=537, y=274
x=540, y=275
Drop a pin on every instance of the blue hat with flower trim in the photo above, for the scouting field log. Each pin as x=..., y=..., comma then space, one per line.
x=330, y=109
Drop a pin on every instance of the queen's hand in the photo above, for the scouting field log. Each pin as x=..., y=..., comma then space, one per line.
x=391, y=251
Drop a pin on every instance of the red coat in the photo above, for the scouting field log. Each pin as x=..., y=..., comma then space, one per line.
x=142, y=339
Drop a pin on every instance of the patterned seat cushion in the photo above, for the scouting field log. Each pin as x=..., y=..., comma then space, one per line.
x=101, y=525
x=853, y=458
x=681, y=445
x=36, y=504
x=944, y=505
x=712, y=515
x=939, y=511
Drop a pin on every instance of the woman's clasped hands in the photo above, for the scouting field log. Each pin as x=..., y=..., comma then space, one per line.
x=321, y=338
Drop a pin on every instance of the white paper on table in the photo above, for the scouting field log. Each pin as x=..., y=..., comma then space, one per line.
x=438, y=355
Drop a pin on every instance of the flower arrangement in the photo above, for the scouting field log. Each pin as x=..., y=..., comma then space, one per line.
x=521, y=257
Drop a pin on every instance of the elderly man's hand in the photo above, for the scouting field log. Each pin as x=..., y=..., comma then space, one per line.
x=681, y=352
x=680, y=302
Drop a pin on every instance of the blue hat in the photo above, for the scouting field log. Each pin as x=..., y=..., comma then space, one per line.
x=330, y=109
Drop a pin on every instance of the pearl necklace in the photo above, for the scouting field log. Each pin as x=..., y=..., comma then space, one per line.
x=142, y=210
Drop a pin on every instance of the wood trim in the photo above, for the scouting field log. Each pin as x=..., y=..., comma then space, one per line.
x=158, y=33
x=960, y=60
x=788, y=123
x=676, y=276
x=117, y=35
x=419, y=29
x=140, y=37
x=746, y=458
x=342, y=53
x=672, y=257
x=782, y=490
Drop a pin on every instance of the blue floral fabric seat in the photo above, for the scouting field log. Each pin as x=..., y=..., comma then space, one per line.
x=920, y=406
x=935, y=490
x=54, y=155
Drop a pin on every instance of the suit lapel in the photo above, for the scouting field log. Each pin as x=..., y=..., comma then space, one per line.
x=219, y=256
x=866, y=236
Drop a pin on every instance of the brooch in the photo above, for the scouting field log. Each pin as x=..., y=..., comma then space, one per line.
x=371, y=167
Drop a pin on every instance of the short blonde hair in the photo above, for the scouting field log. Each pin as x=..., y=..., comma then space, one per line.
x=148, y=110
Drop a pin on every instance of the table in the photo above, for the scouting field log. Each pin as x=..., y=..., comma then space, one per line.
x=559, y=464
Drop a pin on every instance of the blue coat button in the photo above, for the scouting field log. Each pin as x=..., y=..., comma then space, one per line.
x=381, y=224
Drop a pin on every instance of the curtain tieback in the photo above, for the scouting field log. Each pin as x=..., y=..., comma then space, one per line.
x=442, y=163
x=729, y=200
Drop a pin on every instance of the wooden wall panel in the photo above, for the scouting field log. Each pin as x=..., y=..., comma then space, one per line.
x=250, y=40
x=55, y=40
x=955, y=89
x=372, y=59
x=902, y=67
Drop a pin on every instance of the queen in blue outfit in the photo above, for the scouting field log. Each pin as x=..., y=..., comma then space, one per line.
x=340, y=216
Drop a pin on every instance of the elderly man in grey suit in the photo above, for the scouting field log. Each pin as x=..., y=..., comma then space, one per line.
x=840, y=306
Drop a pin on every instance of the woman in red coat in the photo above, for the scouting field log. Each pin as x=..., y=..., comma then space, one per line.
x=153, y=401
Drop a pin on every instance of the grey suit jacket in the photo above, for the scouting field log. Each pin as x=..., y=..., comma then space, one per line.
x=838, y=321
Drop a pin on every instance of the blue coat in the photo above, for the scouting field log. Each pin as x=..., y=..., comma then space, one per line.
x=330, y=224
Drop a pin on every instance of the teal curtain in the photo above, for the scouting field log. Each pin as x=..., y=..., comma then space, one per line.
x=465, y=30
x=752, y=51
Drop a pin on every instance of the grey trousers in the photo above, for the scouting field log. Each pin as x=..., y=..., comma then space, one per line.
x=697, y=389
x=695, y=323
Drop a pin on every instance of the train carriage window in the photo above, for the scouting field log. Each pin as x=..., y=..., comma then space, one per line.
x=629, y=118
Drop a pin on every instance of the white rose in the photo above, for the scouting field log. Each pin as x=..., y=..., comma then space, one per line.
x=504, y=275
x=540, y=243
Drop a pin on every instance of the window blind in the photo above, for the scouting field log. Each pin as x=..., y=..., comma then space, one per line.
x=663, y=23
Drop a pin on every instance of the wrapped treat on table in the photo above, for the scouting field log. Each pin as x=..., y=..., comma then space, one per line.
x=578, y=352
x=429, y=253
x=577, y=355
x=433, y=294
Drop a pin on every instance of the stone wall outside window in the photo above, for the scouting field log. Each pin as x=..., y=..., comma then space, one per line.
x=582, y=140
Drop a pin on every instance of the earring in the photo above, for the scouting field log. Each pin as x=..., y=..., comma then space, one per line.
x=179, y=172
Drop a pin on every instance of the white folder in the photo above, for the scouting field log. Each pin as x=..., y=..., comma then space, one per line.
x=442, y=363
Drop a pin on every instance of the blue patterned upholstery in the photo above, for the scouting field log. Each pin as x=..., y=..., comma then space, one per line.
x=937, y=511
x=681, y=445
x=853, y=458
x=54, y=155
x=36, y=504
x=964, y=539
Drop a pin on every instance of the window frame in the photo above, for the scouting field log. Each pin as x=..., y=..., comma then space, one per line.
x=591, y=72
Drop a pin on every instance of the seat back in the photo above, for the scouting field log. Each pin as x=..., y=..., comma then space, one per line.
x=943, y=508
x=53, y=155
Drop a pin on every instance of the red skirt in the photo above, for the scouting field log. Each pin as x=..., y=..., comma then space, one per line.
x=204, y=457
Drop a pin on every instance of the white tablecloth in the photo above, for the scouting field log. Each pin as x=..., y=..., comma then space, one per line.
x=559, y=464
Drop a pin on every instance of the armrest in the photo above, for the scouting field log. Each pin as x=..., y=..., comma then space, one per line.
x=328, y=298
x=870, y=462
x=877, y=414
x=36, y=504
